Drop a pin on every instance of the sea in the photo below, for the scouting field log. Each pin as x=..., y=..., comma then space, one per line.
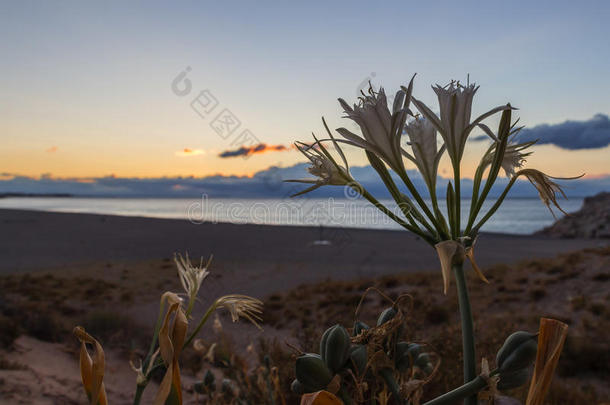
x=515, y=216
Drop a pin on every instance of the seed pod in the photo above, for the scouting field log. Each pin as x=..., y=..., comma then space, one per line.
x=517, y=352
x=227, y=387
x=198, y=388
x=359, y=327
x=401, y=349
x=297, y=387
x=514, y=379
x=334, y=347
x=312, y=372
x=414, y=350
x=267, y=362
x=401, y=358
x=358, y=357
x=386, y=315
x=423, y=360
x=208, y=380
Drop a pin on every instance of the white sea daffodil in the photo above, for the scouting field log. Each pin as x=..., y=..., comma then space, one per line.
x=381, y=129
x=191, y=277
x=454, y=125
x=426, y=155
x=323, y=166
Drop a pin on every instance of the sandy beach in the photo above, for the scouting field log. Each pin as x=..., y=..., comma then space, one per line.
x=32, y=240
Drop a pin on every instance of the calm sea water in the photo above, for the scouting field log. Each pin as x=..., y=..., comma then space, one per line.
x=516, y=216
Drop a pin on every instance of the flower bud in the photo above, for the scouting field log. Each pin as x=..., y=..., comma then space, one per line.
x=359, y=327
x=297, y=387
x=358, y=356
x=334, y=347
x=386, y=315
x=312, y=373
x=517, y=352
x=208, y=380
x=227, y=387
x=406, y=354
x=514, y=379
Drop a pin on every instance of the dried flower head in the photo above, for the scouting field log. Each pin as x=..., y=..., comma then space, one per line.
x=242, y=306
x=190, y=276
x=548, y=190
x=92, y=369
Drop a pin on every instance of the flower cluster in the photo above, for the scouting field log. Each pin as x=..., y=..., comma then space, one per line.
x=382, y=137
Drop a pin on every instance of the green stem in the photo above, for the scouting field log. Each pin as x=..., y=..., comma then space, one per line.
x=140, y=388
x=394, y=218
x=439, y=216
x=153, y=343
x=344, y=396
x=138, y=396
x=405, y=178
x=458, y=200
x=388, y=377
x=469, y=389
x=203, y=320
x=494, y=208
x=468, y=348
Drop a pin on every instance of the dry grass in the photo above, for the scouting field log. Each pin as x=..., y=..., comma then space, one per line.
x=569, y=287
x=572, y=287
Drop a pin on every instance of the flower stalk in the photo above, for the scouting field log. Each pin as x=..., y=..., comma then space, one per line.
x=468, y=341
x=381, y=132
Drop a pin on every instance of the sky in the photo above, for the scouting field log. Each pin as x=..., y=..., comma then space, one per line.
x=92, y=90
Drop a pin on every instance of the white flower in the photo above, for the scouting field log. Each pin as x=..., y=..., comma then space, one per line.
x=381, y=130
x=190, y=276
x=455, y=104
x=326, y=170
x=514, y=157
x=422, y=137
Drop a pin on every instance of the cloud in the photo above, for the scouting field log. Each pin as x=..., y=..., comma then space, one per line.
x=247, y=151
x=572, y=135
x=478, y=138
x=186, y=152
x=268, y=183
x=52, y=149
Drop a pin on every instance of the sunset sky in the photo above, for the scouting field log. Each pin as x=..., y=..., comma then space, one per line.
x=87, y=88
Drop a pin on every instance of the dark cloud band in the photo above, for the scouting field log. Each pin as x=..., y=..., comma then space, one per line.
x=247, y=151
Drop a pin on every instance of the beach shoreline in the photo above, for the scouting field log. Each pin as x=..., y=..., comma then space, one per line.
x=37, y=240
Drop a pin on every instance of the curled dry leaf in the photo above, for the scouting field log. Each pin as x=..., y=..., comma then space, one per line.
x=473, y=263
x=320, y=398
x=449, y=253
x=171, y=340
x=550, y=343
x=92, y=369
